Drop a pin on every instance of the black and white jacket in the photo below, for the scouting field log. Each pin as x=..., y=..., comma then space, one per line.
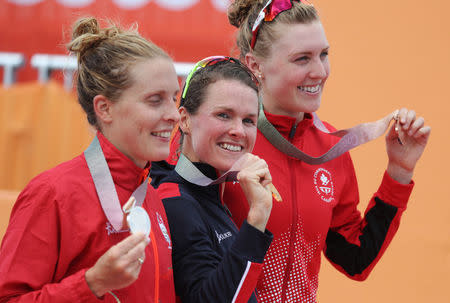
x=213, y=261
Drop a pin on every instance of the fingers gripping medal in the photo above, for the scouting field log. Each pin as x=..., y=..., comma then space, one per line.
x=137, y=218
x=275, y=194
x=397, y=126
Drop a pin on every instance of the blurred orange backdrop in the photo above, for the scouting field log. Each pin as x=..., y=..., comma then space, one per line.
x=383, y=56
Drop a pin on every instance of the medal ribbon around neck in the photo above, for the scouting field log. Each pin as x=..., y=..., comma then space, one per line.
x=350, y=138
x=138, y=219
x=188, y=171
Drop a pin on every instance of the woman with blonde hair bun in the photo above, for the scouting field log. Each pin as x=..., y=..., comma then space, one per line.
x=283, y=42
x=80, y=232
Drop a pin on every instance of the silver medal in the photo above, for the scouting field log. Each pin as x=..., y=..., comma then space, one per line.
x=138, y=220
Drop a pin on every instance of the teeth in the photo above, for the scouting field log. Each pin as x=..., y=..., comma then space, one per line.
x=310, y=89
x=231, y=147
x=162, y=134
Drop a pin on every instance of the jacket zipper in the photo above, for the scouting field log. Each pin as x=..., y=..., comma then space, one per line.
x=292, y=163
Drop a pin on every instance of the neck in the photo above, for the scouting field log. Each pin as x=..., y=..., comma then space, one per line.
x=188, y=151
x=111, y=139
x=271, y=106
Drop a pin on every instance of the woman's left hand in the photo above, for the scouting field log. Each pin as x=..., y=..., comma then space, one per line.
x=254, y=178
x=405, y=143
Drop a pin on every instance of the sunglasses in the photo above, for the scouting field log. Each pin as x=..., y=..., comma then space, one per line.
x=269, y=12
x=209, y=61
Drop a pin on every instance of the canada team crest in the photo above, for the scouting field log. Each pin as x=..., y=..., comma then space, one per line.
x=324, y=185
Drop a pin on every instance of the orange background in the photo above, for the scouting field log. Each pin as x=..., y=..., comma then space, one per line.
x=383, y=56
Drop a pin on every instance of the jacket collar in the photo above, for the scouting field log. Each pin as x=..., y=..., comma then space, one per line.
x=285, y=124
x=211, y=191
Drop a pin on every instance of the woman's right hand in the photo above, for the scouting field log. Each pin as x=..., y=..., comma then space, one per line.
x=413, y=135
x=119, y=266
x=254, y=178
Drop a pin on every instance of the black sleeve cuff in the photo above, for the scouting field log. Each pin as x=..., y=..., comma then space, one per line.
x=251, y=243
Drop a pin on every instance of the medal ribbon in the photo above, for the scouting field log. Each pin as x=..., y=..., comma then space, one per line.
x=188, y=171
x=350, y=138
x=105, y=188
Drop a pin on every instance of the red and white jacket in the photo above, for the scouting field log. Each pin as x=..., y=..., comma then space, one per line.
x=318, y=213
x=58, y=230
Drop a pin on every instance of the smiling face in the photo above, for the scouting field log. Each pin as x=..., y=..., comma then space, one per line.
x=224, y=127
x=296, y=69
x=140, y=122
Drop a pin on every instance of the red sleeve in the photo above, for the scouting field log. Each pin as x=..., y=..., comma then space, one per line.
x=29, y=252
x=354, y=244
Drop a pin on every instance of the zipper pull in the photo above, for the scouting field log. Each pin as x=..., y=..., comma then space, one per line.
x=293, y=129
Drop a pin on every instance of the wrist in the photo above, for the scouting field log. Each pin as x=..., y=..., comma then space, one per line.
x=94, y=284
x=258, y=217
x=399, y=174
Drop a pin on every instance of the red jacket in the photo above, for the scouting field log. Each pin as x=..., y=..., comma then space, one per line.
x=58, y=230
x=318, y=212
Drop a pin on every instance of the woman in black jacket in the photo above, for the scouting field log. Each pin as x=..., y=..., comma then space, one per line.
x=213, y=260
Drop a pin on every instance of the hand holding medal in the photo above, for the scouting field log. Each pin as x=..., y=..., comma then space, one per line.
x=256, y=183
x=239, y=165
x=136, y=217
x=405, y=143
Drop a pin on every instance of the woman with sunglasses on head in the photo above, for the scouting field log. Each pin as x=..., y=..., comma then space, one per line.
x=284, y=44
x=68, y=240
x=213, y=261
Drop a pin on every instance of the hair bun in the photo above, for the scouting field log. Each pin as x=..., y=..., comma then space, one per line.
x=88, y=25
x=240, y=9
x=86, y=33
